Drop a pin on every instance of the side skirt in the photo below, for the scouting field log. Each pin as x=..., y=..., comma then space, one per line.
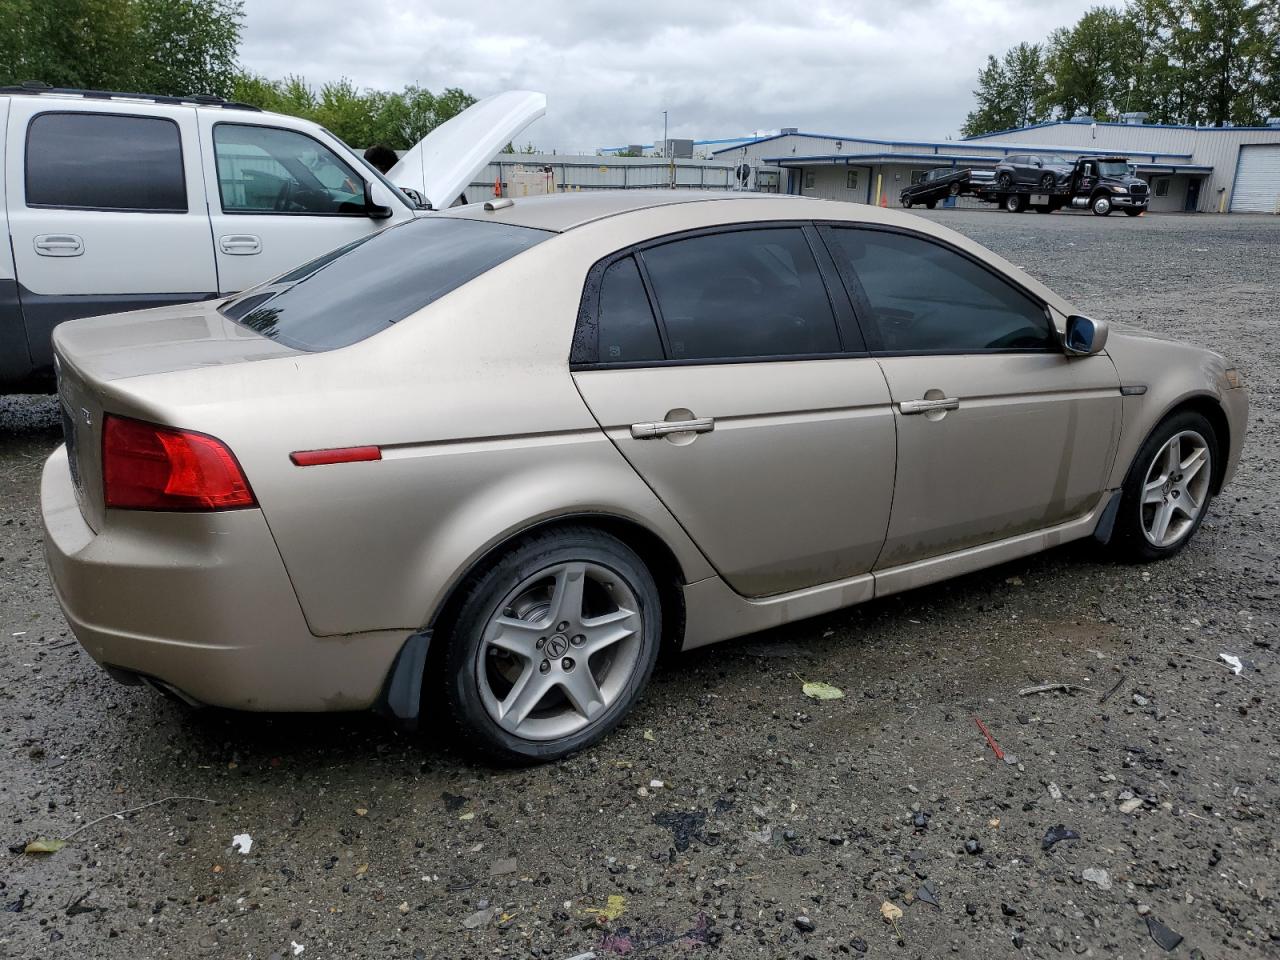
x=715, y=612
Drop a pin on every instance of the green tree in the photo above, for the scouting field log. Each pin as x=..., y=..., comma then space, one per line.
x=1011, y=92
x=994, y=110
x=187, y=46
x=68, y=43
x=1081, y=61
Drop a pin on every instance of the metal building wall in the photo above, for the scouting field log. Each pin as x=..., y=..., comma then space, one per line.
x=610, y=173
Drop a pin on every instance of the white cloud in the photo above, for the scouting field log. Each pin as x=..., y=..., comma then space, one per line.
x=720, y=67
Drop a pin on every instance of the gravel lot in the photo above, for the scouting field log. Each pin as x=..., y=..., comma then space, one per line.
x=781, y=824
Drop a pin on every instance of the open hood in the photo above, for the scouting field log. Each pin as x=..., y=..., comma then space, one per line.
x=444, y=162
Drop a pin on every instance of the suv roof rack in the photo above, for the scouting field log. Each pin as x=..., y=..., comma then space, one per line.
x=200, y=99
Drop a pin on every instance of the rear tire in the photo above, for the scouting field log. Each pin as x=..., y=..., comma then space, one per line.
x=1167, y=491
x=1047, y=182
x=1014, y=203
x=954, y=190
x=1133, y=213
x=532, y=668
x=931, y=204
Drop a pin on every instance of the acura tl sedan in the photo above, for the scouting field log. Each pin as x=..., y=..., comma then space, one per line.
x=483, y=466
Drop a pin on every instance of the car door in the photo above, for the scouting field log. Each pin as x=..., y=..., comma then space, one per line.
x=279, y=197
x=739, y=388
x=106, y=211
x=999, y=432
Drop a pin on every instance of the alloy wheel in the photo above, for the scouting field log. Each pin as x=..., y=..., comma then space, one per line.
x=559, y=650
x=1176, y=489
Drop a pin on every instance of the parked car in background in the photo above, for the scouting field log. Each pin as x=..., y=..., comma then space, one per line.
x=491, y=460
x=114, y=201
x=1045, y=172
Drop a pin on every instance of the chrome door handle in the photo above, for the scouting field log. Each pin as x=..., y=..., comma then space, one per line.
x=663, y=428
x=59, y=245
x=928, y=406
x=241, y=244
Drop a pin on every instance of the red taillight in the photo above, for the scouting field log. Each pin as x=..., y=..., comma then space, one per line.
x=149, y=467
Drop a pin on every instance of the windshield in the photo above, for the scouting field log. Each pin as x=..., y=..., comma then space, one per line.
x=1114, y=168
x=1058, y=159
x=358, y=290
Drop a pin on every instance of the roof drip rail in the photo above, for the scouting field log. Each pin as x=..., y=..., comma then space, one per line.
x=196, y=99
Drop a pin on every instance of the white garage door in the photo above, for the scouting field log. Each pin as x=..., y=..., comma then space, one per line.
x=1257, y=187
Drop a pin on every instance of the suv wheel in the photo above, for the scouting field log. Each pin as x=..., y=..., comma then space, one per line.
x=1168, y=488
x=1101, y=205
x=1047, y=182
x=1004, y=180
x=552, y=644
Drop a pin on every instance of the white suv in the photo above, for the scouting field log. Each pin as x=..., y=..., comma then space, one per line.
x=116, y=202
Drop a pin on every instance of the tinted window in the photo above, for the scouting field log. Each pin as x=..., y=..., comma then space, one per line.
x=364, y=287
x=750, y=293
x=105, y=162
x=627, y=328
x=269, y=170
x=923, y=297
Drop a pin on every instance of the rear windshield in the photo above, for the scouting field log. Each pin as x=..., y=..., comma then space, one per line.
x=355, y=291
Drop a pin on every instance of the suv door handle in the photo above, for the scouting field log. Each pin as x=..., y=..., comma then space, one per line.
x=59, y=245
x=928, y=406
x=663, y=428
x=240, y=244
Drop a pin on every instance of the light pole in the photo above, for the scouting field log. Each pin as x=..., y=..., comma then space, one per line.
x=666, y=146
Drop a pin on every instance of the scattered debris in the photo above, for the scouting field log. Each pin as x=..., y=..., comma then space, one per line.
x=478, y=919
x=17, y=906
x=892, y=913
x=685, y=826
x=1162, y=935
x=1008, y=758
x=972, y=847
x=44, y=845
x=1055, y=791
x=648, y=735
x=1139, y=700
x=1057, y=835
x=296, y=948
x=1096, y=876
x=452, y=802
x=928, y=893
x=1131, y=805
x=804, y=924
x=1236, y=665
x=1112, y=692
x=614, y=906
x=242, y=843
x=1047, y=687
x=121, y=814
x=817, y=690
x=500, y=868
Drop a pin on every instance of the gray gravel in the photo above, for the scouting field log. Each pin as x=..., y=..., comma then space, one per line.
x=782, y=824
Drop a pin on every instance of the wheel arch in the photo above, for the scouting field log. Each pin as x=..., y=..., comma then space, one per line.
x=1208, y=406
x=657, y=555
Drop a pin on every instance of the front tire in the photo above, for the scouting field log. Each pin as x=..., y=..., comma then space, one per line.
x=551, y=645
x=1167, y=491
x=1101, y=206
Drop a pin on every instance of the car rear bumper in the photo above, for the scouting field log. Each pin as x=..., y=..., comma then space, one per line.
x=201, y=603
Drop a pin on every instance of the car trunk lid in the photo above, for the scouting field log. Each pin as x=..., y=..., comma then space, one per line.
x=92, y=357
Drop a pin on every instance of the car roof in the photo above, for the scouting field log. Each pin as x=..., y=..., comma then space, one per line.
x=561, y=212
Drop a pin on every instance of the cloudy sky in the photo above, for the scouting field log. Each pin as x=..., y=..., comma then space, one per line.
x=720, y=67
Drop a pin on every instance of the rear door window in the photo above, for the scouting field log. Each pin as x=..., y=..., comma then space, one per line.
x=628, y=331
x=744, y=293
x=105, y=161
x=358, y=290
x=922, y=297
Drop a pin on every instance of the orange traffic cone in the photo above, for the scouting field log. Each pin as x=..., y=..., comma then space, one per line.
x=497, y=185
x=884, y=199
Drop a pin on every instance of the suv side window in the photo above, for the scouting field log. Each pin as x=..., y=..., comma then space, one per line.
x=922, y=297
x=628, y=331
x=270, y=170
x=744, y=293
x=105, y=161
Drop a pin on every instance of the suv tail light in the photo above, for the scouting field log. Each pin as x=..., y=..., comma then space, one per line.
x=149, y=467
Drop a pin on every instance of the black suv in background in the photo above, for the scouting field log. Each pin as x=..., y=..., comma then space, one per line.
x=1021, y=169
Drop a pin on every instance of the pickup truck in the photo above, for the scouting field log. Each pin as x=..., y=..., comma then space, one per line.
x=1099, y=184
x=940, y=183
x=121, y=201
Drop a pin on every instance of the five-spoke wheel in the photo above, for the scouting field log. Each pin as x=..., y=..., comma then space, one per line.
x=550, y=645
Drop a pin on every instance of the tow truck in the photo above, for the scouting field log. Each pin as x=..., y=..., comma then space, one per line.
x=1099, y=184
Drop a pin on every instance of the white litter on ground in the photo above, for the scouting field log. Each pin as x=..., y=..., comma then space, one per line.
x=242, y=843
x=1232, y=661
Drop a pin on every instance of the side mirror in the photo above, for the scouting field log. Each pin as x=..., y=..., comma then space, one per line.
x=374, y=211
x=1085, y=336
